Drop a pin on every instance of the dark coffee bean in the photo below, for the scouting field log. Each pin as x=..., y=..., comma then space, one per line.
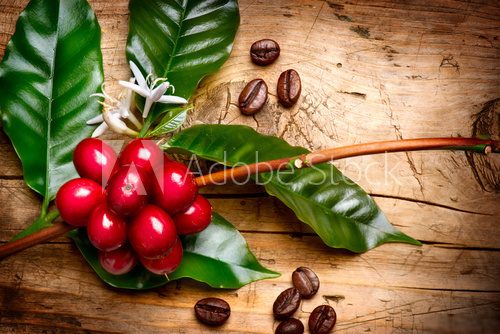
x=253, y=97
x=212, y=311
x=264, y=52
x=290, y=326
x=286, y=304
x=322, y=319
x=289, y=88
x=306, y=281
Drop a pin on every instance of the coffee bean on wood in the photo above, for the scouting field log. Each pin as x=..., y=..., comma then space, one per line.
x=290, y=326
x=212, y=311
x=264, y=52
x=286, y=303
x=253, y=97
x=322, y=319
x=289, y=88
x=306, y=281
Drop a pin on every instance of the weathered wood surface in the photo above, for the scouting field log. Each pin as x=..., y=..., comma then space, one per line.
x=371, y=70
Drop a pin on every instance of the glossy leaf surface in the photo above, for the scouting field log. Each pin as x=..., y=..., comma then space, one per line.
x=338, y=210
x=51, y=66
x=181, y=40
x=217, y=256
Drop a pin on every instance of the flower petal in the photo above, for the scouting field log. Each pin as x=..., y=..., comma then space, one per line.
x=116, y=124
x=137, y=74
x=95, y=120
x=100, y=130
x=139, y=90
x=147, y=106
x=157, y=93
x=134, y=120
x=172, y=99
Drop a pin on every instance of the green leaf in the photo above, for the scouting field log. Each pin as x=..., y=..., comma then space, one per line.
x=51, y=65
x=338, y=210
x=217, y=256
x=172, y=120
x=182, y=40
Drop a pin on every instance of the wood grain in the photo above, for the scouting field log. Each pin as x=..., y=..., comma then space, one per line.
x=371, y=70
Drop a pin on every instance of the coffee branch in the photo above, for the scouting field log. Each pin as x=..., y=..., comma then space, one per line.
x=484, y=146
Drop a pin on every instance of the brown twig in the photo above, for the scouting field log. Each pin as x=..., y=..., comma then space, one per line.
x=305, y=160
x=58, y=229
x=336, y=153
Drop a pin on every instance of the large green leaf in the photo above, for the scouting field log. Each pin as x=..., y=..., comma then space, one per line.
x=342, y=214
x=182, y=40
x=217, y=256
x=51, y=65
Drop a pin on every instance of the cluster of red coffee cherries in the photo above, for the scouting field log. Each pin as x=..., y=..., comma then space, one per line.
x=147, y=201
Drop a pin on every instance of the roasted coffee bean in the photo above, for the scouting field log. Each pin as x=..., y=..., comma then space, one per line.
x=322, y=319
x=290, y=326
x=306, y=281
x=289, y=88
x=253, y=97
x=212, y=311
x=286, y=304
x=264, y=52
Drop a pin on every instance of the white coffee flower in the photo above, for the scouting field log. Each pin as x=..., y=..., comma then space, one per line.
x=117, y=109
x=116, y=124
x=147, y=88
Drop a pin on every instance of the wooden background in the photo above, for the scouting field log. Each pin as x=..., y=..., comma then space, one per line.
x=371, y=70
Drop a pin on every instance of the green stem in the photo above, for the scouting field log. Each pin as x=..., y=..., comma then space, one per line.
x=45, y=206
x=51, y=216
x=145, y=127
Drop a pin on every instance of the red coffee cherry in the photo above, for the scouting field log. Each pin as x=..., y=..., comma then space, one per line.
x=196, y=218
x=142, y=153
x=127, y=191
x=174, y=188
x=94, y=159
x=77, y=198
x=106, y=230
x=166, y=264
x=118, y=262
x=152, y=233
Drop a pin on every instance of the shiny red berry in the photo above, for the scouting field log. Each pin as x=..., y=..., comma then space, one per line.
x=152, y=232
x=196, y=218
x=77, y=198
x=166, y=264
x=127, y=191
x=142, y=153
x=94, y=159
x=118, y=262
x=174, y=188
x=106, y=230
